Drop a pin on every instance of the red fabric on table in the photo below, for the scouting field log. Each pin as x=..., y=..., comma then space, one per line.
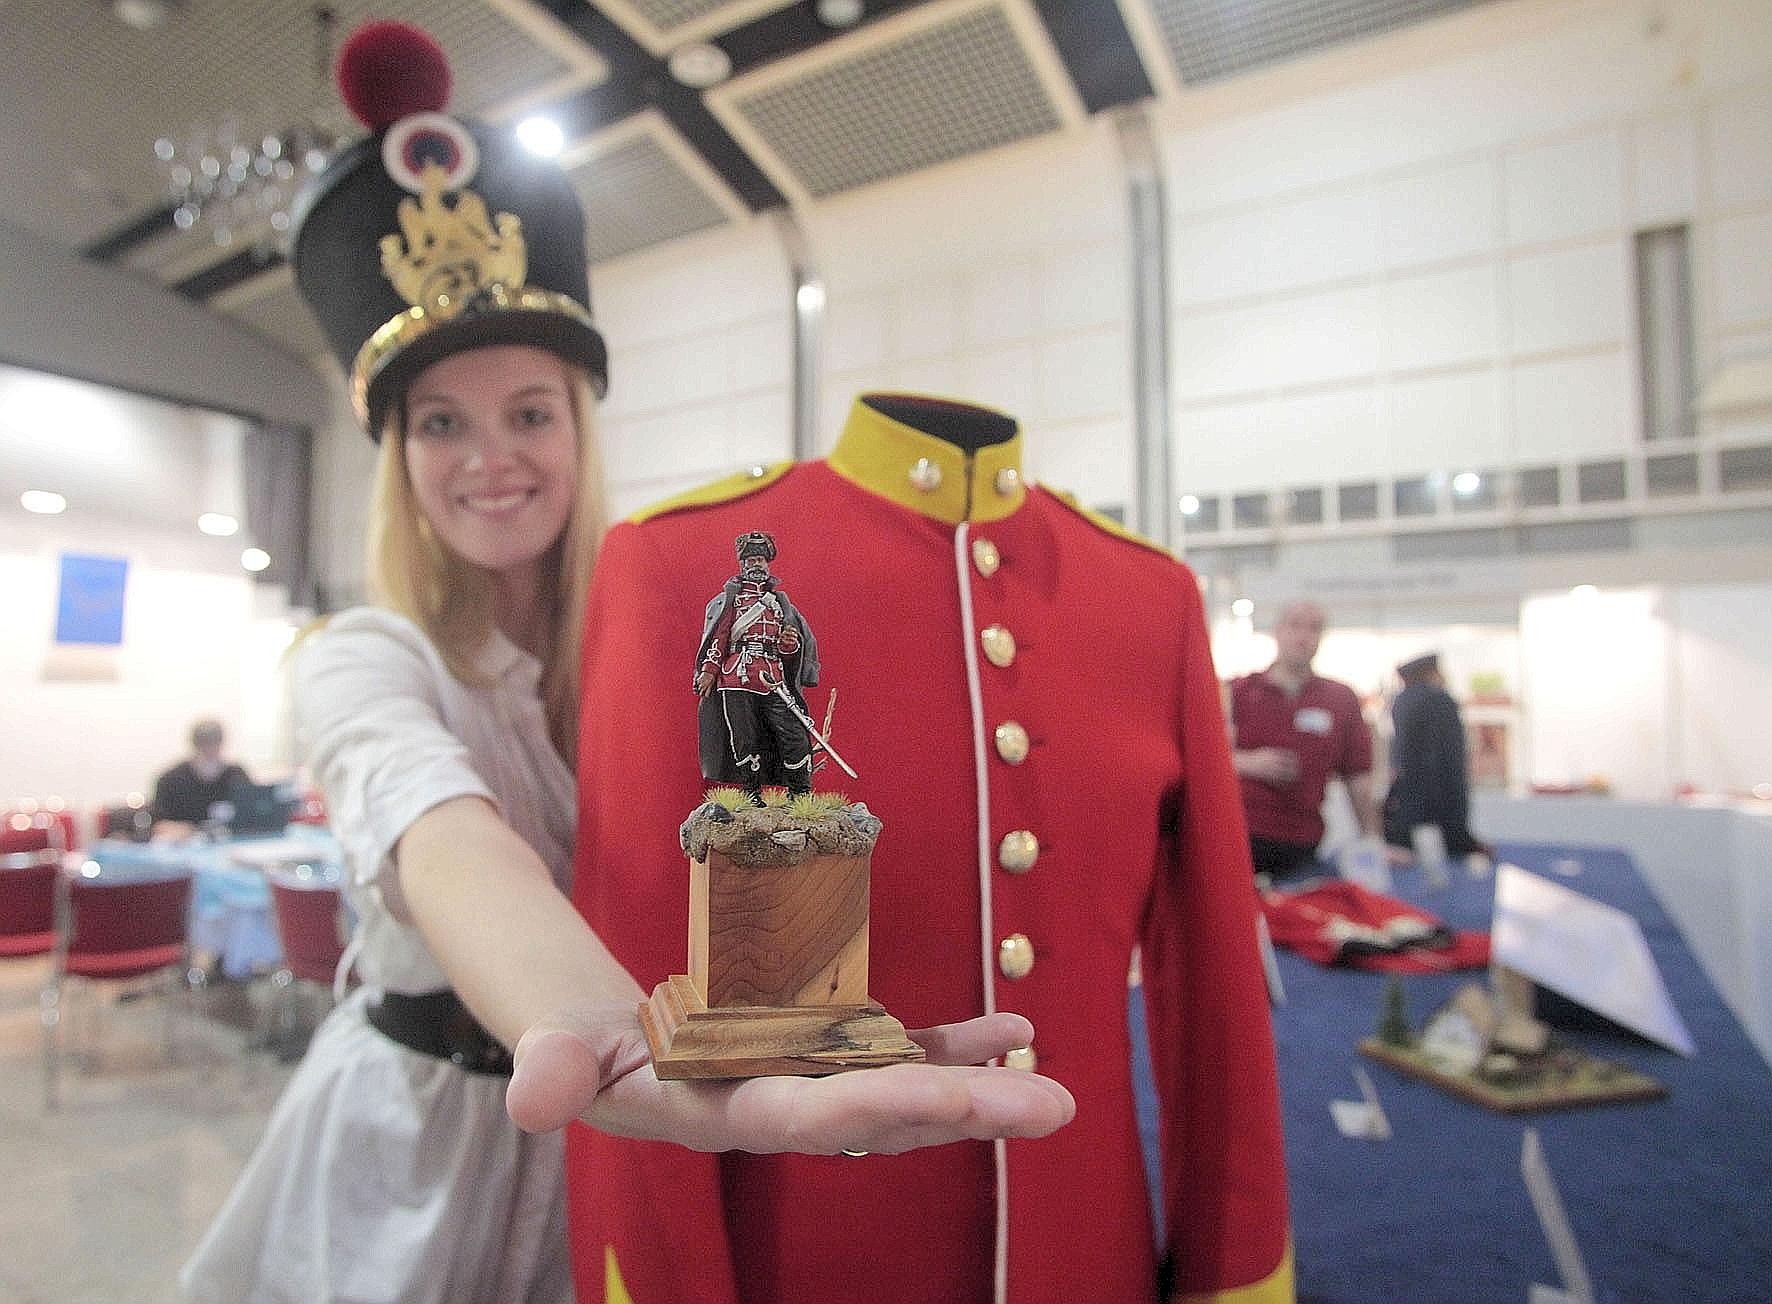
x=1328, y=922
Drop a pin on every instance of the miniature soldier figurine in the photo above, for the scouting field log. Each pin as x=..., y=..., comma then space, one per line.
x=756, y=651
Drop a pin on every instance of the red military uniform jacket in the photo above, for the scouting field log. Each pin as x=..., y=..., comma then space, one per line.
x=1029, y=697
x=751, y=662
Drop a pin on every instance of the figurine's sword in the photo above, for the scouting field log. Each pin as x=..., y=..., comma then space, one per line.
x=812, y=729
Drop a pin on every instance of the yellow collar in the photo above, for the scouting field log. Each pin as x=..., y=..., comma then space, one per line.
x=929, y=475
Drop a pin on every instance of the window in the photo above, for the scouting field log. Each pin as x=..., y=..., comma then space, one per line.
x=1250, y=512
x=1357, y=501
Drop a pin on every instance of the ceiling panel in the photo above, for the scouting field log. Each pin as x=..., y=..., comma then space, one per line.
x=80, y=164
x=940, y=83
x=642, y=185
x=1207, y=40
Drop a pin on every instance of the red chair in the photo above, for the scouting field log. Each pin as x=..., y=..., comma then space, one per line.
x=27, y=903
x=42, y=830
x=114, y=931
x=312, y=927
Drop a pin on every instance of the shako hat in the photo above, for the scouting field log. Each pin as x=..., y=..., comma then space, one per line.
x=755, y=544
x=432, y=235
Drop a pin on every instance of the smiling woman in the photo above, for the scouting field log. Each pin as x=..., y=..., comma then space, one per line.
x=488, y=464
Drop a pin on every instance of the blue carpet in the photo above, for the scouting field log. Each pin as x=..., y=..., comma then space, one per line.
x=1669, y=1200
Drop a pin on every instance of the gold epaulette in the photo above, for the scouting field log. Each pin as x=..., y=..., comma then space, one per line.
x=1107, y=523
x=723, y=490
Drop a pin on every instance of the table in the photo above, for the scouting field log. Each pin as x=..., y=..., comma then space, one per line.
x=1667, y=1199
x=231, y=912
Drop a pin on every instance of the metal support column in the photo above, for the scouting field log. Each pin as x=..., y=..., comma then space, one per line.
x=1152, y=493
x=808, y=315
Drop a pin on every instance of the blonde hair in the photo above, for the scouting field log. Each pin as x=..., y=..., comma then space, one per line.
x=413, y=572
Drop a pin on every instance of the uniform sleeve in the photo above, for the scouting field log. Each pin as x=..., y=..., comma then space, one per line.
x=647, y=1221
x=1223, y=1169
x=369, y=723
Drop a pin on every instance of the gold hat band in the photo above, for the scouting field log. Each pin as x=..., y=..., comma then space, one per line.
x=394, y=335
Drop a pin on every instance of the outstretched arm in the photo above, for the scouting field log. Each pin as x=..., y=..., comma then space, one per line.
x=530, y=968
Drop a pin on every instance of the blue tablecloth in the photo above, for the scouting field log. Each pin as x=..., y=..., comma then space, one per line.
x=231, y=914
x=1668, y=1199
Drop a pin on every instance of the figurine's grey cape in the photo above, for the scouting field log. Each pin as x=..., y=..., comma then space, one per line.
x=798, y=668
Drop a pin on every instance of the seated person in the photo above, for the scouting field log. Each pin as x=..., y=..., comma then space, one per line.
x=184, y=793
x=1291, y=728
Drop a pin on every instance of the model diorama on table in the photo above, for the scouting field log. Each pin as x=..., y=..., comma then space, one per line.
x=778, y=875
x=1488, y=1048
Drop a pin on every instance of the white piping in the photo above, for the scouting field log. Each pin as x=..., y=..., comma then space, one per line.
x=968, y=636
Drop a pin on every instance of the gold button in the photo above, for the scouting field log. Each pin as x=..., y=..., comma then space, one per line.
x=1012, y=742
x=999, y=646
x=1018, y=851
x=926, y=475
x=986, y=557
x=1022, y=1057
x=1008, y=481
x=1015, y=956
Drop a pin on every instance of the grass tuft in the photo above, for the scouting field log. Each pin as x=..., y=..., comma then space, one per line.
x=732, y=799
x=816, y=805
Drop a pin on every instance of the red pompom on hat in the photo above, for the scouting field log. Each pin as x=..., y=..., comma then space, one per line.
x=388, y=71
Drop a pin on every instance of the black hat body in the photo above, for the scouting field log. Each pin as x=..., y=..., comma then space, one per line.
x=433, y=236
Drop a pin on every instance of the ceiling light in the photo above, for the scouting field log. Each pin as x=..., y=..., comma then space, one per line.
x=1584, y=591
x=1466, y=483
x=541, y=136
x=143, y=15
x=1190, y=505
x=217, y=523
x=700, y=65
x=42, y=501
x=255, y=559
x=839, y=13
x=1243, y=607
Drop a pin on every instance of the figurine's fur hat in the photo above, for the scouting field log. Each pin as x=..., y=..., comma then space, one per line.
x=755, y=544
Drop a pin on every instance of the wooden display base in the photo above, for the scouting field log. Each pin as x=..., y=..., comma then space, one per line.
x=689, y=1040
x=1593, y=1082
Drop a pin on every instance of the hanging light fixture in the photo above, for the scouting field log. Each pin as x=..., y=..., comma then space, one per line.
x=230, y=178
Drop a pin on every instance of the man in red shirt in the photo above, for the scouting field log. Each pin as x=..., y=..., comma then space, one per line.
x=1291, y=729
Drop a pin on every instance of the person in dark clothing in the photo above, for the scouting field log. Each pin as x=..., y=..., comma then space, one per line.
x=185, y=792
x=1427, y=755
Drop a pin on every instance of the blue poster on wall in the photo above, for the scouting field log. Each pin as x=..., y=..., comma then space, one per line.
x=90, y=607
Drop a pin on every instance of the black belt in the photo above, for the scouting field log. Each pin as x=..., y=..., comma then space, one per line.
x=438, y=1024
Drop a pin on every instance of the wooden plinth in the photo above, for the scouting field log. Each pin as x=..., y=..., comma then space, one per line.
x=689, y=1040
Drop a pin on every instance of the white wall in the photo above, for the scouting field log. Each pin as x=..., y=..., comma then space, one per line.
x=200, y=637
x=1004, y=280
x=1721, y=657
x=91, y=725
x=700, y=335
x=1416, y=255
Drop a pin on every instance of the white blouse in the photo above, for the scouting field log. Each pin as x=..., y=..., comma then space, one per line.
x=389, y=733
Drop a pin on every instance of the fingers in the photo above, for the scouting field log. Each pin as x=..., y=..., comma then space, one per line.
x=975, y=1040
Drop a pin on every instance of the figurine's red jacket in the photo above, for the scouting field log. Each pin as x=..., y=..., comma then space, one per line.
x=1127, y=784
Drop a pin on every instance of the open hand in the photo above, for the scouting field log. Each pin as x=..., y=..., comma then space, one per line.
x=594, y=1065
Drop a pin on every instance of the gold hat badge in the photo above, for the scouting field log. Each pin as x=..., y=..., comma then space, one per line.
x=449, y=254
